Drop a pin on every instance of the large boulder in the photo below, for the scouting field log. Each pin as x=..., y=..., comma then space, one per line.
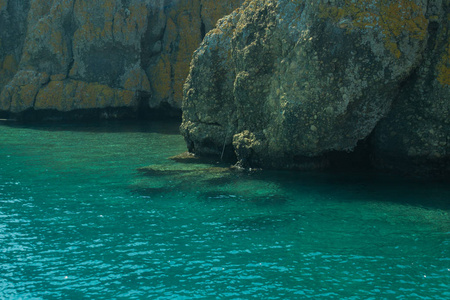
x=98, y=53
x=284, y=83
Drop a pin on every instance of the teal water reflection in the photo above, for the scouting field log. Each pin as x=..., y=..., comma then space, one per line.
x=81, y=218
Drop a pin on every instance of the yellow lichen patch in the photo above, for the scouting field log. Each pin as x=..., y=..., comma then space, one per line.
x=57, y=43
x=183, y=28
x=52, y=97
x=93, y=95
x=128, y=24
x=444, y=67
x=189, y=39
x=10, y=64
x=179, y=81
x=94, y=26
x=24, y=97
x=5, y=100
x=392, y=18
x=58, y=77
x=60, y=7
x=124, y=98
x=213, y=10
x=160, y=77
x=5, y=77
x=74, y=71
x=3, y=4
x=8, y=68
x=171, y=29
x=107, y=8
x=71, y=94
x=119, y=23
x=46, y=34
x=138, y=17
x=137, y=80
x=38, y=9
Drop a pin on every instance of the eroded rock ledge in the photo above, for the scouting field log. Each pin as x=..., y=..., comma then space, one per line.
x=289, y=83
x=96, y=55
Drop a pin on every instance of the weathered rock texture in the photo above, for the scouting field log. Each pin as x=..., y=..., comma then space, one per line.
x=286, y=83
x=68, y=55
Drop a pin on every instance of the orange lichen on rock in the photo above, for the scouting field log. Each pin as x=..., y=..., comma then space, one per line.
x=444, y=67
x=93, y=27
x=161, y=73
x=392, y=18
x=50, y=97
x=8, y=68
x=72, y=94
x=9, y=64
x=137, y=21
x=20, y=93
x=185, y=25
x=212, y=10
x=136, y=80
x=23, y=98
x=124, y=98
x=189, y=40
x=3, y=4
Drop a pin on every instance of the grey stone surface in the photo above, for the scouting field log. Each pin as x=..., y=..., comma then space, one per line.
x=284, y=83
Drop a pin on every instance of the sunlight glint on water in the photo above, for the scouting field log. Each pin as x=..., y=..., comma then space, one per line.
x=79, y=221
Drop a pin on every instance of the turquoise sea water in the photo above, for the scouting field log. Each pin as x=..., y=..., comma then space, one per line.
x=78, y=220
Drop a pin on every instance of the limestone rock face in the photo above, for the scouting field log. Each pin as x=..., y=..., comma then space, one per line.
x=80, y=54
x=283, y=83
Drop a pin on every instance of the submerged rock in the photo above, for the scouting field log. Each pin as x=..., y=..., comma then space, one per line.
x=212, y=182
x=284, y=83
x=67, y=55
x=182, y=169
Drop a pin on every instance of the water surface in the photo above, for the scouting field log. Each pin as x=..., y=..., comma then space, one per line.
x=78, y=220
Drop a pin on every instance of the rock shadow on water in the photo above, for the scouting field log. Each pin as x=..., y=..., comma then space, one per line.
x=399, y=199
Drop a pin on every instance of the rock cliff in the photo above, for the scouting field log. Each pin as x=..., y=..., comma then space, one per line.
x=290, y=83
x=70, y=55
